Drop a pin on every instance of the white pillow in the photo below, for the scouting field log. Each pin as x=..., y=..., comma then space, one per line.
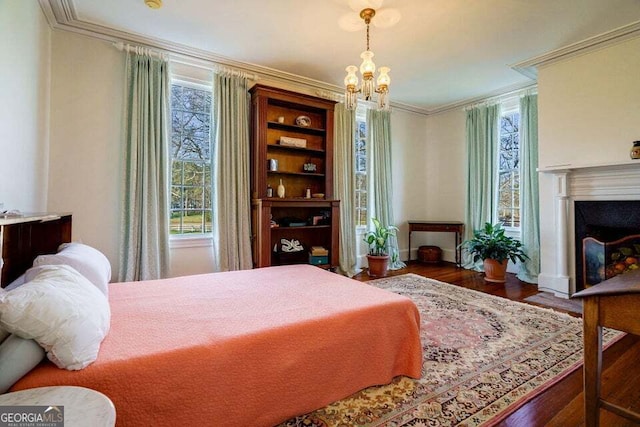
x=59, y=309
x=89, y=262
x=18, y=282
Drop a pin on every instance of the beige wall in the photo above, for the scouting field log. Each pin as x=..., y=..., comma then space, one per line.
x=447, y=175
x=589, y=106
x=589, y=113
x=409, y=161
x=444, y=179
x=25, y=46
x=86, y=127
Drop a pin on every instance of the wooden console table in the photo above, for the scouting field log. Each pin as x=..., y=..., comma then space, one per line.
x=440, y=226
x=613, y=303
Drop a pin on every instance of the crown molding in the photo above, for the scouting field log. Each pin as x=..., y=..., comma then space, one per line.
x=496, y=95
x=62, y=15
x=529, y=67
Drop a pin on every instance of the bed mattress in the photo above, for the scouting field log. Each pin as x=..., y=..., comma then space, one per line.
x=250, y=348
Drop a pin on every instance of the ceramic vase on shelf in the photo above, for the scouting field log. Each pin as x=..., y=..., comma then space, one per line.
x=635, y=150
x=281, y=190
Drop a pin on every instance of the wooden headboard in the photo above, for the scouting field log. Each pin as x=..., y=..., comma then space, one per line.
x=23, y=239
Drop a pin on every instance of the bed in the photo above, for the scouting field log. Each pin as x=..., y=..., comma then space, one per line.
x=246, y=348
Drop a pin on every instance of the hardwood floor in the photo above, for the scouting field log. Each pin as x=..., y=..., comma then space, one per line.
x=561, y=405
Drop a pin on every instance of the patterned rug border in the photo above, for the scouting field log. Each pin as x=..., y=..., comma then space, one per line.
x=484, y=294
x=536, y=391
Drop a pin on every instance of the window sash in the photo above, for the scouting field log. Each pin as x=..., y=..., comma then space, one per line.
x=191, y=200
x=508, y=191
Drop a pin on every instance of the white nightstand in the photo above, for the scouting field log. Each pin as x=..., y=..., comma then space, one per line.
x=82, y=406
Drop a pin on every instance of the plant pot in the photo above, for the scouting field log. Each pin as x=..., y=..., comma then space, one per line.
x=495, y=271
x=378, y=265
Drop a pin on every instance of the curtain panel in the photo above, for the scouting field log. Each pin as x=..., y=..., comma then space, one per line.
x=529, y=194
x=345, y=186
x=144, y=246
x=379, y=139
x=230, y=172
x=482, y=146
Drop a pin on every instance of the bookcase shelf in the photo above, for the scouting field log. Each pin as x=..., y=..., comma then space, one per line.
x=273, y=115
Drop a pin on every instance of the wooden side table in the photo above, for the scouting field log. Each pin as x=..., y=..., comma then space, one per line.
x=439, y=226
x=82, y=406
x=613, y=303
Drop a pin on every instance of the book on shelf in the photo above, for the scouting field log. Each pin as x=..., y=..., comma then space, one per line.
x=287, y=141
x=319, y=251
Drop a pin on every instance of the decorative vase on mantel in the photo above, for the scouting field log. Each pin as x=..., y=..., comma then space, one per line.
x=635, y=150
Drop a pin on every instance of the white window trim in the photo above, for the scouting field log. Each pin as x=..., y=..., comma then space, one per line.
x=179, y=241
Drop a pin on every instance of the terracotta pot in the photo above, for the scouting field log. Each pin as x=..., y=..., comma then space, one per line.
x=495, y=271
x=378, y=265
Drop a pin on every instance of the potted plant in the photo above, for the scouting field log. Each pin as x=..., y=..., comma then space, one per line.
x=378, y=258
x=491, y=245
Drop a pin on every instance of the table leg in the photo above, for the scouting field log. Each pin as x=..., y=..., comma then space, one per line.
x=409, y=256
x=592, y=361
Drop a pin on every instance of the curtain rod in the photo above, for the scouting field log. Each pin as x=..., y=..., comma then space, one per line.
x=140, y=50
x=216, y=68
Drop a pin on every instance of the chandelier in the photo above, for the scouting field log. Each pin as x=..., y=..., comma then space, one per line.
x=368, y=70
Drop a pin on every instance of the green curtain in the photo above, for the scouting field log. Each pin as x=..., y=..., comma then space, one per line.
x=344, y=186
x=230, y=172
x=529, y=201
x=482, y=146
x=379, y=141
x=144, y=246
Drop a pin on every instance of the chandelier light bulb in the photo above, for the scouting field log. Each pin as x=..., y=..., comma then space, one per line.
x=383, y=79
x=351, y=80
x=367, y=66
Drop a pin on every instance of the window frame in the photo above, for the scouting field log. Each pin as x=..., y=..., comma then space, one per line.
x=189, y=240
x=361, y=116
x=507, y=107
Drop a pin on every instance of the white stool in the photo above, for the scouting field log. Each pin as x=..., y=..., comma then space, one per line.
x=82, y=406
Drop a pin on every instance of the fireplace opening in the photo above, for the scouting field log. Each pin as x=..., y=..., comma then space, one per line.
x=607, y=239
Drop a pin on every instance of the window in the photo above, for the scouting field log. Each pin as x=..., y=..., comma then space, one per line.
x=361, y=170
x=508, y=173
x=190, y=159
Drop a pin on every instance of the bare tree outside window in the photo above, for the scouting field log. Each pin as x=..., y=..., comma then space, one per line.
x=508, y=173
x=361, y=173
x=190, y=160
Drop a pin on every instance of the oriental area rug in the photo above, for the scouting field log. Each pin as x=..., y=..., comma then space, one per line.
x=483, y=357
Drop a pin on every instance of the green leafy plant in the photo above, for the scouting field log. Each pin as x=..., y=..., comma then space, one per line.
x=491, y=242
x=377, y=239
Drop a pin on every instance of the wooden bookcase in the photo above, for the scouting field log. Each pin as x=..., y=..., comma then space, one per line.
x=23, y=238
x=268, y=105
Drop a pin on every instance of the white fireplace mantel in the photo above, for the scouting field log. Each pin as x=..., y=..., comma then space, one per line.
x=577, y=182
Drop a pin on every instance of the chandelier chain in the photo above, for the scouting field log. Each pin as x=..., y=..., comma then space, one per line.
x=367, y=36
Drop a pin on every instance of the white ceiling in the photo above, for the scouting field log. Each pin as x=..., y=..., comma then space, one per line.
x=441, y=51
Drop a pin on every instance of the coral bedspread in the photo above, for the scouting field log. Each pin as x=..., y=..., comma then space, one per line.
x=244, y=348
